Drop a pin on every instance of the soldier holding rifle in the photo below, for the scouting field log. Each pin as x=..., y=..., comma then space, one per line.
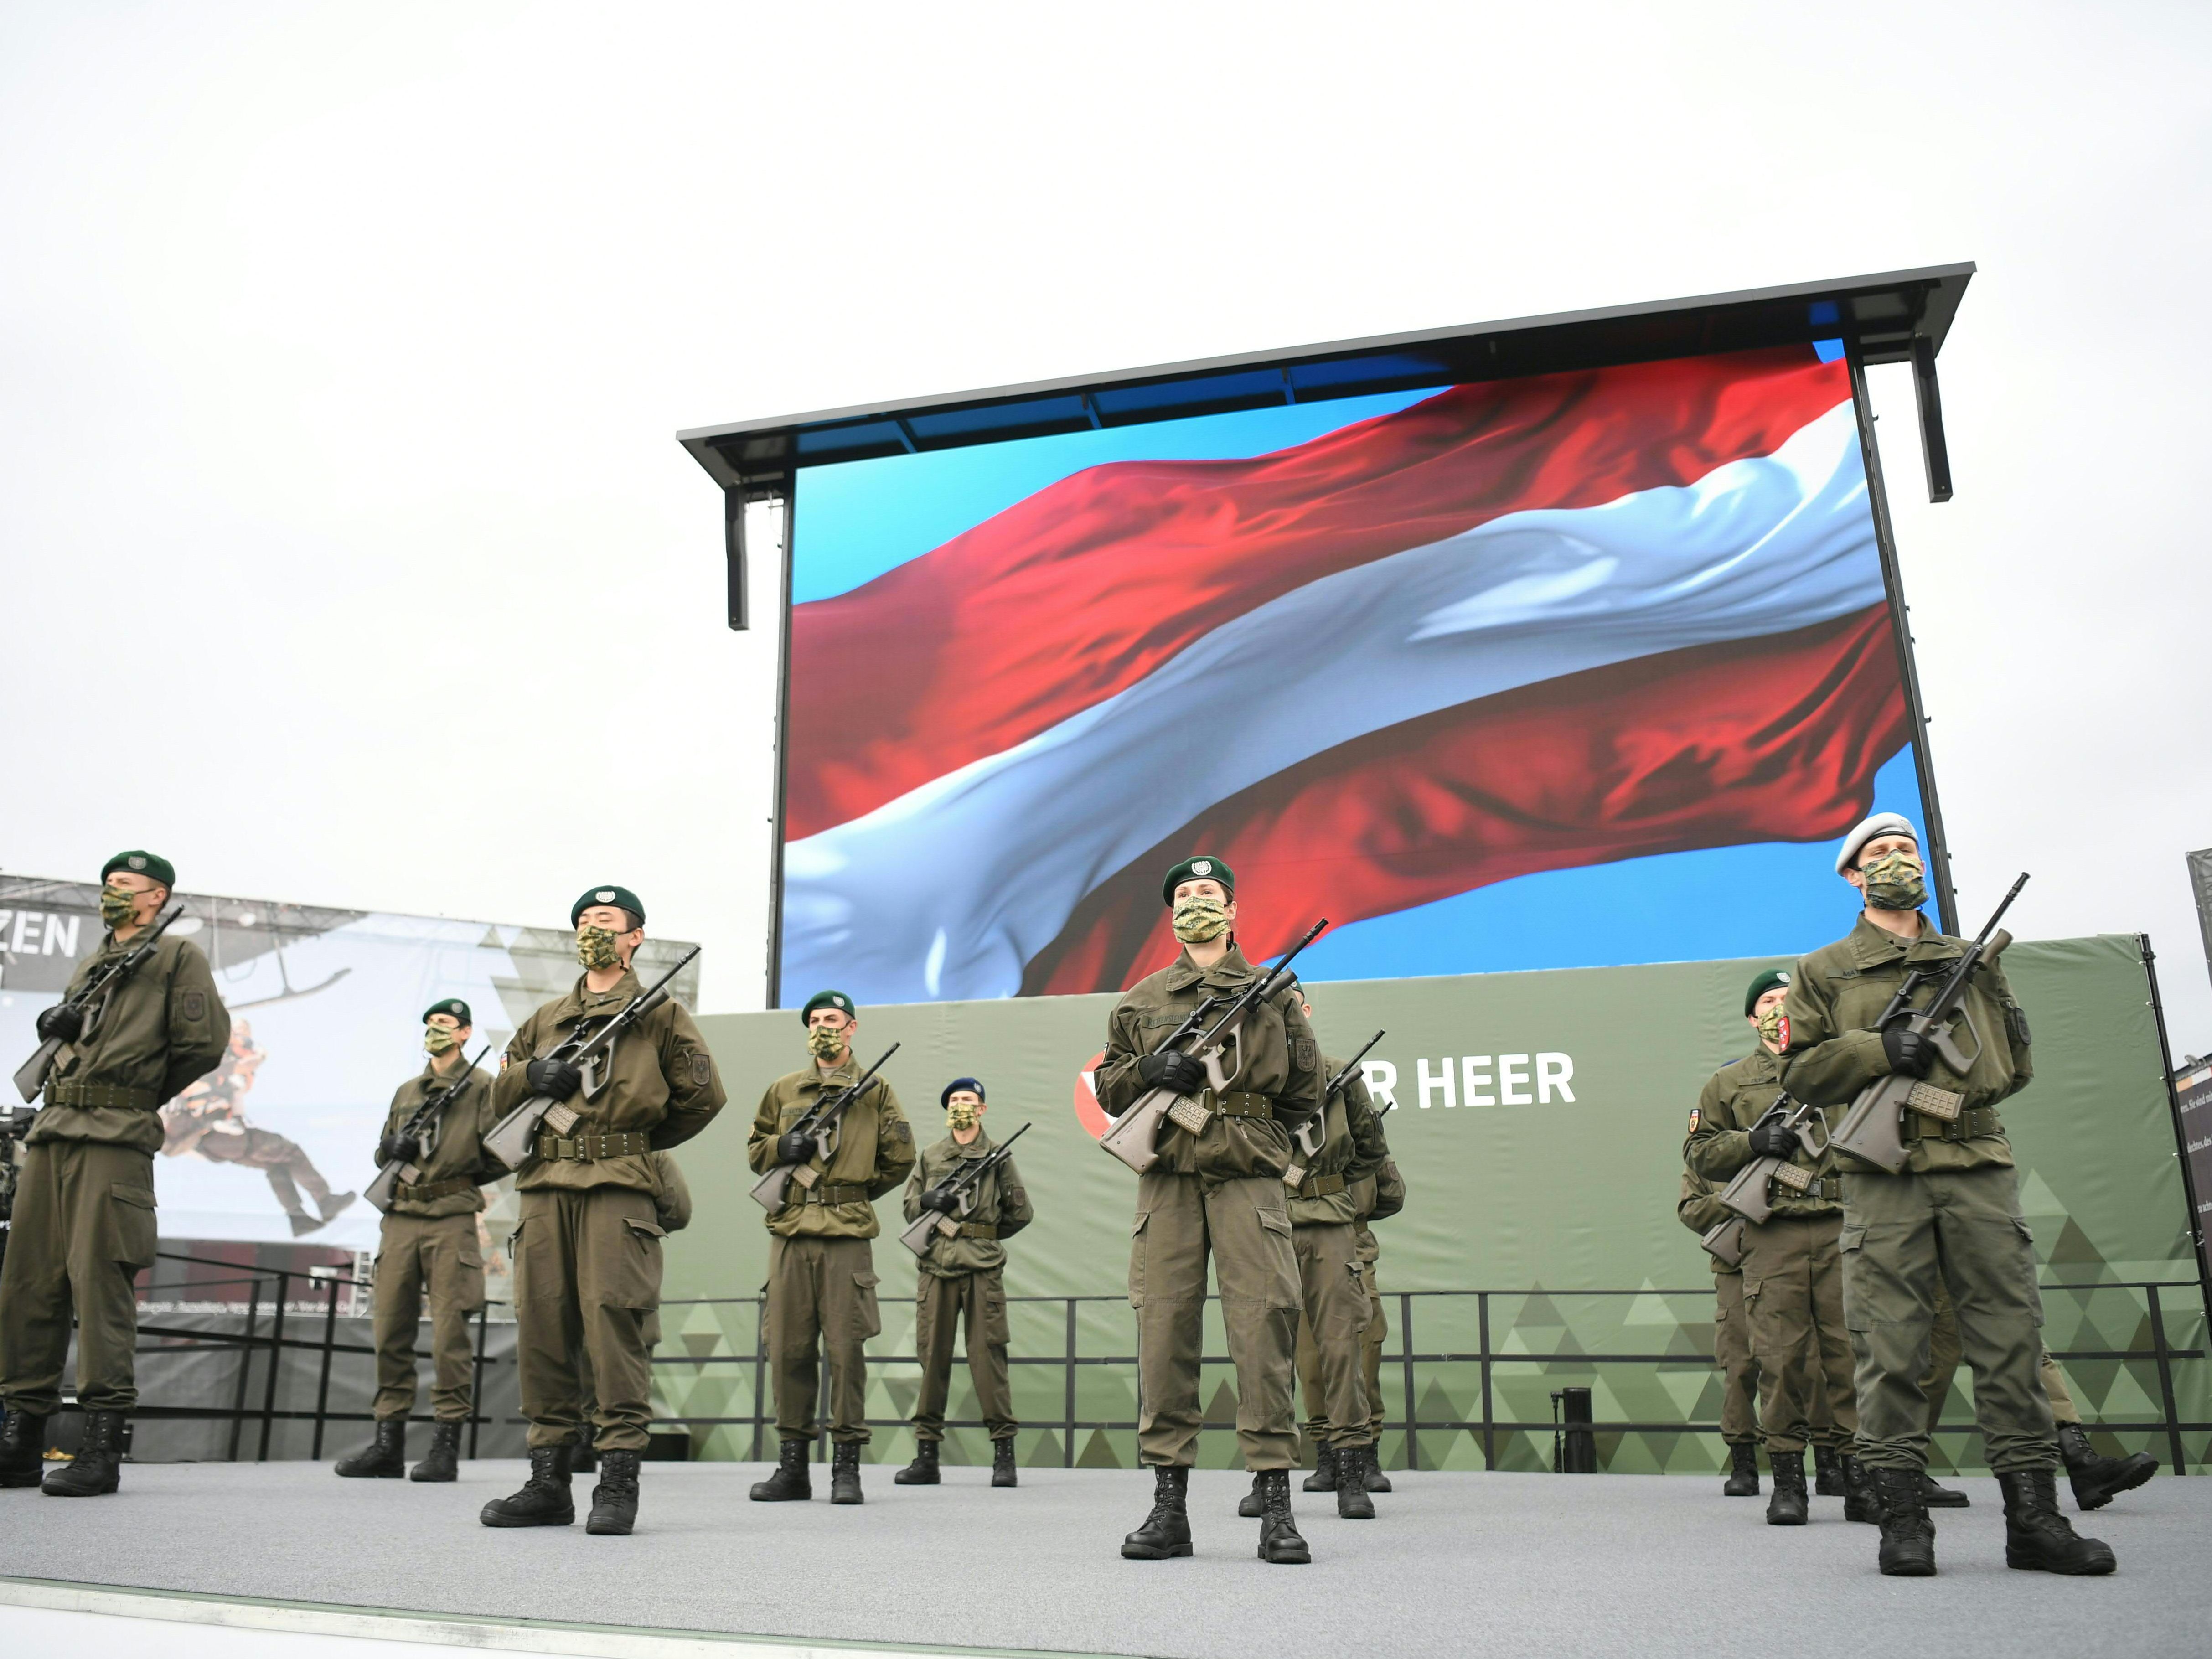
x=1212, y=1191
x=1377, y=1197
x=429, y=1187
x=821, y=1269
x=140, y=1020
x=1919, y=1035
x=1700, y=1209
x=596, y=1081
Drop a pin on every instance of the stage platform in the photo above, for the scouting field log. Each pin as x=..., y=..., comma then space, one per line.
x=1529, y=1565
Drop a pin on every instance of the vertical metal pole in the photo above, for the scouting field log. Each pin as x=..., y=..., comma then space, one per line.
x=782, y=754
x=323, y=1382
x=1933, y=448
x=1406, y=1355
x=245, y=1360
x=733, y=554
x=475, y=1378
x=2200, y=1248
x=1067, y=1456
x=2166, y=1384
x=1489, y=1443
x=275, y=1359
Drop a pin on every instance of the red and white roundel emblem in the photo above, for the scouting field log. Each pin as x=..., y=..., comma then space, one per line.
x=1782, y=1032
x=1088, y=1112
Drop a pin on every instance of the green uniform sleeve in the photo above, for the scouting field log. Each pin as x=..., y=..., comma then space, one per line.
x=1992, y=980
x=1389, y=1191
x=1699, y=1207
x=1014, y=1212
x=895, y=1151
x=695, y=1087
x=484, y=1098
x=1302, y=1091
x=1719, y=1146
x=672, y=1204
x=1369, y=1152
x=511, y=1086
x=199, y=1023
x=1825, y=1067
x=395, y=1115
x=760, y=1144
x=911, y=1204
x=1116, y=1076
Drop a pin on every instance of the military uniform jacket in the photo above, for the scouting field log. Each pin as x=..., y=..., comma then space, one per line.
x=1700, y=1209
x=1834, y=1051
x=1735, y=1097
x=453, y=1152
x=161, y=1029
x=661, y=1084
x=1351, y=1150
x=875, y=1150
x=1376, y=1198
x=1001, y=1209
x=1280, y=1067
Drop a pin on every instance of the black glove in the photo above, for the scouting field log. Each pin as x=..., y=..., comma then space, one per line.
x=1911, y=1054
x=1177, y=1073
x=1771, y=1137
x=794, y=1148
x=61, y=1021
x=400, y=1149
x=939, y=1198
x=553, y=1080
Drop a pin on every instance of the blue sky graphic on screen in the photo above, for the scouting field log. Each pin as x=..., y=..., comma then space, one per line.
x=1521, y=674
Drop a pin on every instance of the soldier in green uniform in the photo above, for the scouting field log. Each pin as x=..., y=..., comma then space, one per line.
x=1700, y=1209
x=588, y=1245
x=84, y=1222
x=1952, y=1214
x=1377, y=1197
x=1218, y=1193
x=820, y=1271
x=428, y=1243
x=961, y=1280
x=1793, y=1287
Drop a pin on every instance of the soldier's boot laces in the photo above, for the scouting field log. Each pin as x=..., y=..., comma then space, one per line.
x=790, y=1482
x=544, y=1500
x=98, y=1466
x=845, y=1473
x=2037, y=1536
x=1787, y=1508
x=1002, y=1463
x=1943, y=1498
x=1376, y=1480
x=1859, y=1501
x=443, y=1460
x=1908, y=1536
x=23, y=1450
x=1353, y=1503
x=1280, y=1544
x=383, y=1458
x=1251, y=1506
x=922, y=1472
x=2096, y=1480
x=1166, y=1531
x=1323, y=1479
x=1827, y=1472
x=614, y=1500
x=1743, y=1471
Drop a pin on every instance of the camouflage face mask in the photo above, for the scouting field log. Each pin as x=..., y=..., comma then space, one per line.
x=1199, y=918
x=117, y=907
x=595, y=947
x=1894, y=881
x=1770, y=1025
x=437, y=1039
x=824, y=1041
x=960, y=1115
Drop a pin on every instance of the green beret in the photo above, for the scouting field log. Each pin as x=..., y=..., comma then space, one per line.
x=140, y=863
x=1771, y=979
x=453, y=1005
x=828, y=999
x=607, y=894
x=1200, y=868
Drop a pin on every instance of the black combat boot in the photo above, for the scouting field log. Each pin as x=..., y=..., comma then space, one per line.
x=543, y=1500
x=1908, y=1536
x=443, y=1460
x=2096, y=1480
x=1323, y=1479
x=1743, y=1471
x=614, y=1500
x=922, y=1472
x=1787, y=1508
x=2037, y=1535
x=1827, y=1472
x=1279, y=1543
x=1251, y=1506
x=583, y=1456
x=789, y=1483
x=1002, y=1463
x=845, y=1473
x=23, y=1450
x=98, y=1467
x=1166, y=1531
x=383, y=1458
x=1376, y=1480
x=1860, y=1503
x=1943, y=1498
x=1353, y=1502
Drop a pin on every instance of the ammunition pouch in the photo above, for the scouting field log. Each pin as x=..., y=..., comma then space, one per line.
x=68, y=1093
x=1325, y=1186
x=836, y=1192
x=595, y=1148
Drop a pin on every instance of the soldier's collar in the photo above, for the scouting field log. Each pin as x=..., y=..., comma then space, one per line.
x=581, y=1000
x=846, y=1071
x=1232, y=970
x=1872, y=946
x=975, y=1148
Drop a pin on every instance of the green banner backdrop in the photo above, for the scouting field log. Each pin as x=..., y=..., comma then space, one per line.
x=1539, y=1119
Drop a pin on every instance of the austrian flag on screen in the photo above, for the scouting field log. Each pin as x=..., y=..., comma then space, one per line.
x=1528, y=673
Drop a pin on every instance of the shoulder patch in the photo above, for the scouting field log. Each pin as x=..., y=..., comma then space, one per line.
x=1696, y=1116
x=1304, y=1054
x=901, y=1132
x=702, y=1070
x=195, y=1004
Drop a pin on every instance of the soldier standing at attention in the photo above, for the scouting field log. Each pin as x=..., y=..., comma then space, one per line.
x=1953, y=1213
x=84, y=1198
x=1377, y=1197
x=428, y=1241
x=1701, y=1210
x=962, y=1279
x=587, y=1246
x=1793, y=1282
x=820, y=1271
x=1218, y=1195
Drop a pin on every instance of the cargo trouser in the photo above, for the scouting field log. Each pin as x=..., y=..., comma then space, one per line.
x=84, y=1226
x=1370, y=1353
x=821, y=1290
x=586, y=1276
x=1793, y=1301
x=941, y=1306
x=1906, y=1236
x=440, y=1253
x=1242, y=1224
x=1943, y=1365
x=1331, y=1324
x=1738, y=1370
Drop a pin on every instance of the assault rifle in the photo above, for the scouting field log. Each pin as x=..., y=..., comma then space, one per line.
x=512, y=1141
x=1134, y=1139
x=422, y=1121
x=962, y=1187
x=1872, y=1130
x=1749, y=1196
x=31, y=1075
x=1307, y=1138
x=820, y=1122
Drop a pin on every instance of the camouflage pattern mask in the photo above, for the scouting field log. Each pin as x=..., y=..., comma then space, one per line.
x=437, y=1039
x=1770, y=1025
x=824, y=1043
x=960, y=1115
x=595, y=947
x=1894, y=881
x=116, y=907
x=1198, y=918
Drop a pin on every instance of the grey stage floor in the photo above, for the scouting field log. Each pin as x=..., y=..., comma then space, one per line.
x=1521, y=1564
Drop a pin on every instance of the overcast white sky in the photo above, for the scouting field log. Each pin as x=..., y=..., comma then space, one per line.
x=350, y=558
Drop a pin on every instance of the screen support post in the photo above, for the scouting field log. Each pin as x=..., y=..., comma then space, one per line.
x=734, y=556
x=789, y=499
x=1933, y=448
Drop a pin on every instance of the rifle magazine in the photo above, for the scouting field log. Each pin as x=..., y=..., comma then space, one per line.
x=1929, y=1101
x=1188, y=1114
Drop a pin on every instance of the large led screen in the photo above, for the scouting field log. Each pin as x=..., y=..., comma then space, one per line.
x=1587, y=668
